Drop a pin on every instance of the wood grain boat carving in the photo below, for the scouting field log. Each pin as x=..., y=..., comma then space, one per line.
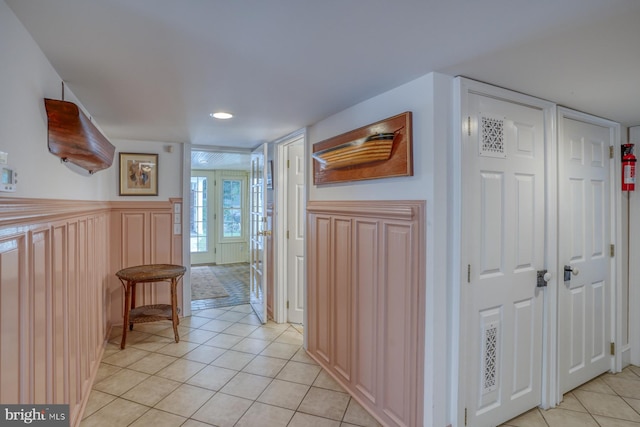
x=73, y=138
x=373, y=148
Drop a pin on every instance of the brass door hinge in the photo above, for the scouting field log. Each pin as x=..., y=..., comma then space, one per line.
x=613, y=349
x=611, y=151
x=287, y=234
x=287, y=304
x=468, y=273
x=465, y=416
x=469, y=125
x=612, y=250
x=288, y=163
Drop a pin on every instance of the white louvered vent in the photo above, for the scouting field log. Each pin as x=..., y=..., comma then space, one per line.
x=492, y=142
x=490, y=341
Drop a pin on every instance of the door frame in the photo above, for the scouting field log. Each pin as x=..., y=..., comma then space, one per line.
x=615, y=212
x=462, y=88
x=281, y=217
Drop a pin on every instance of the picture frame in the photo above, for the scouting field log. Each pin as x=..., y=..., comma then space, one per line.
x=138, y=174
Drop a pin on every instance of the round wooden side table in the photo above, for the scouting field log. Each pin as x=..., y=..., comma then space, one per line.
x=151, y=273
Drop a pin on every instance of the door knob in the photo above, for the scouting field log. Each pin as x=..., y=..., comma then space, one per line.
x=264, y=233
x=568, y=271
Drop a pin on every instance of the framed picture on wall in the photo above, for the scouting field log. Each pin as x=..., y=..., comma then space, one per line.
x=138, y=174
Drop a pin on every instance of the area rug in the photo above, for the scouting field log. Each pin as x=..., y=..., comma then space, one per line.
x=205, y=284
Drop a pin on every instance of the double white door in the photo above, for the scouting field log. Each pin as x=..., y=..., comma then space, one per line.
x=511, y=224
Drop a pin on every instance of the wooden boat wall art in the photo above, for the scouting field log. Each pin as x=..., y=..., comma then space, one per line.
x=379, y=150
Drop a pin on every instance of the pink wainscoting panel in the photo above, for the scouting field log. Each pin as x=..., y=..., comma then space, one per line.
x=12, y=307
x=340, y=289
x=143, y=234
x=365, y=287
x=365, y=302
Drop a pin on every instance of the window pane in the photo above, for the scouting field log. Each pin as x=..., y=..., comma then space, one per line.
x=198, y=202
x=232, y=208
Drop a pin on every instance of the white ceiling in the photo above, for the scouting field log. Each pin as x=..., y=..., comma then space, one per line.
x=155, y=69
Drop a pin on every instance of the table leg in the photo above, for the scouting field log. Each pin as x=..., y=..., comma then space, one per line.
x=125, y=321
x=174, y=308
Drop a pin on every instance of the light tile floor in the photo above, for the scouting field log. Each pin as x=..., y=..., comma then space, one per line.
x=611, y=400
x=227, y=370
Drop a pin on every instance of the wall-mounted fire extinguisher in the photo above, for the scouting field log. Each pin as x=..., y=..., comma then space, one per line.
x=628, y=168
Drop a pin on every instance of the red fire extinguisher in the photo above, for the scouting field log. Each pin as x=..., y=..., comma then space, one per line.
x=628, y=168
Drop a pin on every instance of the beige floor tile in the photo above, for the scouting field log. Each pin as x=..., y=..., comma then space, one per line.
x=299, y=372
x=178, y=349
x=233, y=360
x=185, y=400
x=125, y=357
x=302, y=356
x=211, y=313
x=532, y=418
x=250, y=319
x=240, y=329
x=151, y=391
x=562, y=418
x=194, y=423
x=264, y=333
x=168, y=333
x=215, y=325
x=290, y=336
x=570, y=403
x=251, y=345
x=104, y=371
x=607, y=405
x=611, y=422
x=204, y=354
x=627, y=373
x=324, y=380
x=152, y=363
x=280, y=350
x=265, y=366
x=121, y=382
x=231, y=316
x=157, y=418
x=597, y=385
x=635, y=370
x=110, y=349
x=306, y=420
x=151, y=343
x=151, y=327
x=97, y=400
x=634, y=403
x=247, y=386
x=224, y=340
x=623, y=386
x=212, y=377
x=243, y=308
x=181, y=370
x=120, y=412
x=198, y=336
x=260, y=414
x=284, y=394
x=222, y=410
x=194, y=321
x=325, y=403
x=356, y=414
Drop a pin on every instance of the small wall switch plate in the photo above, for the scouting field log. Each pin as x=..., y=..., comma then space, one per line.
x=4, y=158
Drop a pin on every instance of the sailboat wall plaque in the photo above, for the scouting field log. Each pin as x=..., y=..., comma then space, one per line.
x=379, y=150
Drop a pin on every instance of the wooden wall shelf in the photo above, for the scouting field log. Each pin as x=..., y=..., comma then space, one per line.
x=73, y=138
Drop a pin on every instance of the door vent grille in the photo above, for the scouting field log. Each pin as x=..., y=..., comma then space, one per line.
x=490, y=357
x=492, y=138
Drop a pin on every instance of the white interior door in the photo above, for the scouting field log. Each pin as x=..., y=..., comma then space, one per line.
x=259, y=230
x=504, y=213
x=295, y=231
x=584, y=300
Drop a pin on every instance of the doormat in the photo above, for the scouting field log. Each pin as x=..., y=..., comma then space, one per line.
x=205, y=284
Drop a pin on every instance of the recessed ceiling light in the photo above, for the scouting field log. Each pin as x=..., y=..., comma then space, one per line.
x=221, y=115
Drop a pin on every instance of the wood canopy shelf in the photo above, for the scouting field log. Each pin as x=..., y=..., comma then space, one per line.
x=73, y=138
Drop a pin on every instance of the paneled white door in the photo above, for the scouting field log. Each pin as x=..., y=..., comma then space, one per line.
x=504, y=215
x=584, y=233
x=259, y=229
x=295, y=231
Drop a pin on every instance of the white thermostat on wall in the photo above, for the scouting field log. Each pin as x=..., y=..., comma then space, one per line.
x=8, y=176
